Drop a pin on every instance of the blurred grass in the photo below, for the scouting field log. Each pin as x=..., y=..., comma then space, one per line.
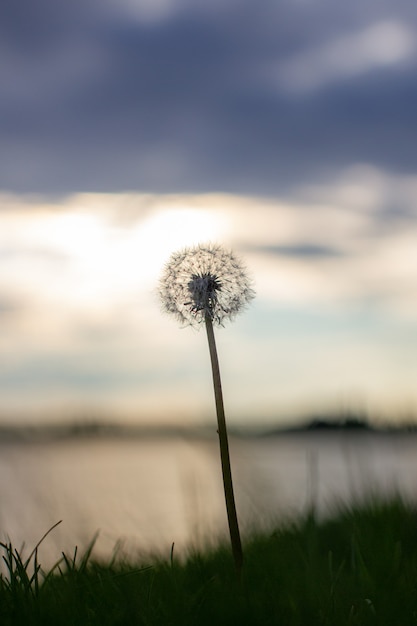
x=358, y=567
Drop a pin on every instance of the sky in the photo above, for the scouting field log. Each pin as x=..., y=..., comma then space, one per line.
x=285, y=131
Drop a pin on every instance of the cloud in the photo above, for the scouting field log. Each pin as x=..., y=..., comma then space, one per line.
x=301, y=250
x=181, y=97
x=381, y=45
x=335, y=291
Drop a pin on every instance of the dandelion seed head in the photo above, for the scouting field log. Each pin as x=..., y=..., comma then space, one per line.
x=205, y=281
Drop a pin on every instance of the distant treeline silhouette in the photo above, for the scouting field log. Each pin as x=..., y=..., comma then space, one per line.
x=96, y=429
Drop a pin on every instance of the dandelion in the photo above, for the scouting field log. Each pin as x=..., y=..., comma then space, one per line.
x=205, y=281
x=209, y=285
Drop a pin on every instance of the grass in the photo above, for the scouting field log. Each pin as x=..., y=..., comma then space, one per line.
x=358, y=567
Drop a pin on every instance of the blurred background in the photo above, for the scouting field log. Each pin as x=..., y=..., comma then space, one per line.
x=132, y=128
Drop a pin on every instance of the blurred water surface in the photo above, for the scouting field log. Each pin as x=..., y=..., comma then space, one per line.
x=143, y=494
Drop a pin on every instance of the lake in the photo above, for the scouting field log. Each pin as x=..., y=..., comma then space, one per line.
x=143, y=494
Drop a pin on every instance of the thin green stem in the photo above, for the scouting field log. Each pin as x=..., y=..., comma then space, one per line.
x=224, y=451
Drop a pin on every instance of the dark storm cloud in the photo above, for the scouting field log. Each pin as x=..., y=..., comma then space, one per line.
x=97, y=98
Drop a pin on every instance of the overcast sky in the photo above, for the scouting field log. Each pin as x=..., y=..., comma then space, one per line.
x=286, y=130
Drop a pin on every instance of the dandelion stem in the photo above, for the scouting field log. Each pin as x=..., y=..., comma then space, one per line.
x=224, y=451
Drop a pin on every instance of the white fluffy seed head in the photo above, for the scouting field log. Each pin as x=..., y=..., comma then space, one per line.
x=206, y=280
